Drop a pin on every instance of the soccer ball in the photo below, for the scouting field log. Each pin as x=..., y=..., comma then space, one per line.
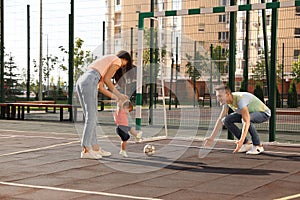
x=149, y=149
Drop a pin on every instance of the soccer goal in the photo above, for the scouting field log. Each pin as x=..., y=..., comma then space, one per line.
x=189, y=69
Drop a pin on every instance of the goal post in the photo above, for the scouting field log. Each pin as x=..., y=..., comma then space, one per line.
x=198, y=11
x=211, y=10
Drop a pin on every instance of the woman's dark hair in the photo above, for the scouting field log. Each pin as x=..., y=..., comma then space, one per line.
x=123, y=55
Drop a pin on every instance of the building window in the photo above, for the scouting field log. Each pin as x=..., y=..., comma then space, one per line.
x=223, y=36
x=268, y=20
x=223, y=3
x=201, y=43
x=223, y=51
x=222, y=18
x=297, y=32
x=118, y=2
x=201, y=27
x=297, y=10
x=296, y=54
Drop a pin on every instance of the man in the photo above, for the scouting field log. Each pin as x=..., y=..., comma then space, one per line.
x=248, y=109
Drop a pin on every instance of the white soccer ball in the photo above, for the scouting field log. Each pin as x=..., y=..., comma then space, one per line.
x=149, y=149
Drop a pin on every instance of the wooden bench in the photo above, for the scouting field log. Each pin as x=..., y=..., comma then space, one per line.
x=38, y=102
x=287, y=112
x=17, y=110
x=205, y=98
x=3, y=110
x=103, y=102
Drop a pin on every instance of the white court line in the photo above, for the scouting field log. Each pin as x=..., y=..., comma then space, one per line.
x=38, y=149
x=34, y=136
x=18, y=131
x=78, y=191
x=188, y=146
x=227, y=149
x=289, y=197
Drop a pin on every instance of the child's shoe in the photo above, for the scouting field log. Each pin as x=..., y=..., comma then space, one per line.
x=123, y=153
x=139, y=136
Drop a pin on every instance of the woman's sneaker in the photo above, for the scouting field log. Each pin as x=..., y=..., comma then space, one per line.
x=245, y=148
x=91, y=155
x=255, y=150
x=103, y=153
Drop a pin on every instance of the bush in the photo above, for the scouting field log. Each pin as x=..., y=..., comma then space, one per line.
x=242, y=89
x=292, y=100
x=278, y=98
x=259, y=93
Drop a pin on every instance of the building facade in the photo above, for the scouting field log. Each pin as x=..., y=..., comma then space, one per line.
x=204, y=31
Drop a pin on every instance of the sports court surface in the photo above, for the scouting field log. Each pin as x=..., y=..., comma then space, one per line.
x=41, y=160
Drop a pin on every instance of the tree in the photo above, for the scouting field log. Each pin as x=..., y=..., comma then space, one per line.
x=296, y=70
x=242, y=89
x=258, y=92
x=201, y=63
x=292, y=100
x=11, y=76
x=278, y=98
x=220, y=58
x=259, y=71
x=81, y=58
x=50, y=62
x=146, y=56
x=198, y=66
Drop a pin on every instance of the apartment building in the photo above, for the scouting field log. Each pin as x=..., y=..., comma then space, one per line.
x=205, y=30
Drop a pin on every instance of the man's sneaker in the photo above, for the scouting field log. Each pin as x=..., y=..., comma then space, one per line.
x=255, y=150
x=91, y=155
x=123, y=153
x=139, y=136
x=103, y=153
x=245, y=148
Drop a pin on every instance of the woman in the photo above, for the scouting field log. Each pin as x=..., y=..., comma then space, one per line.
x=99, y=73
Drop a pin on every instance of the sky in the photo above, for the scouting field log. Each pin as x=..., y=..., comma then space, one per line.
x=88, y=21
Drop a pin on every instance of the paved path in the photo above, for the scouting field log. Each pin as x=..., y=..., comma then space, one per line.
x=40, y=160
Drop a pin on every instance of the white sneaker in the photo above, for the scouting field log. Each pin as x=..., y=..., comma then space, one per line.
x=103, y=153
x=245, y=148
x=139, y=136
x=123, y=153
x=91, y=155
x=255, y=150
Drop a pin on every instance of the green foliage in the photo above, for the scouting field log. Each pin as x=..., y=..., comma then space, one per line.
x=193, y=73
x=219, y=58
x=50, y=62
x=242, y=89
x=196, y=67
x=258, y=92
x=11, y=77
x=296, y=70
x=292, y=100
x=147, y=66
x=81, y=58
x=259, y=71
x=201, y=63
x=278, y=98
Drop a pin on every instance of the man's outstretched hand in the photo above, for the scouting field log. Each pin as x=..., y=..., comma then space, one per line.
x=238, y=146
x=208, y=142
